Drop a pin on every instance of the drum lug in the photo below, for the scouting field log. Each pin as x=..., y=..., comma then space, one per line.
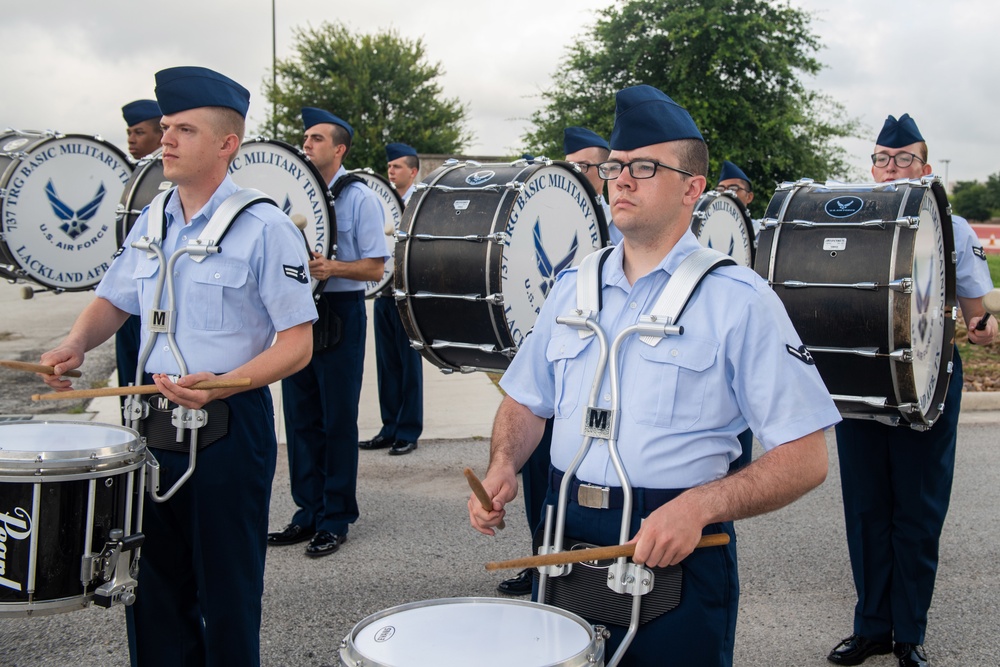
x=904, y=285
x=903, y=355
x=186, y=418
x=630, y=578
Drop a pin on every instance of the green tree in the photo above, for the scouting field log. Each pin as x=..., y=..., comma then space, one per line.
x=972, y=200
x=381, y=84
x=736, y=65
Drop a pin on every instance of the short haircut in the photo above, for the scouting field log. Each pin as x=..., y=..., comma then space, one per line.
x=152, y=125
x=692, y=154
x=922, y=150
x=603, y=154
x=340, y=136
x=411, y=161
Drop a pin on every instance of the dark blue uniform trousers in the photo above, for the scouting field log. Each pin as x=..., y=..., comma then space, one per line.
x=535, y=479
x=400, y=375
x=701, y=630
x=127, y=351
x=897, y=485
x=321, y=423
x=201, y=568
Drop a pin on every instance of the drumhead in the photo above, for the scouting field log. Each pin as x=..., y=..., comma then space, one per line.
x=57, y=217
x=392, y=209
x=721, y=222
x=29, y=447
x=283, y=172
x=464, y=631
x=147, y=181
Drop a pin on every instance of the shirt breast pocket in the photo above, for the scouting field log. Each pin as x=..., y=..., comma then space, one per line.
x=670, y=381
x=565, y=353
x=216, y=296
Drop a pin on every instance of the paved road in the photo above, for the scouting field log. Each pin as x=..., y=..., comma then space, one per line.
x=413, y=543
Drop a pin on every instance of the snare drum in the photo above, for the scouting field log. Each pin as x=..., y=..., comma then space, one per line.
x=286, y=174
x=721, y=222
x=392, y=209
x=147, y=181
x=70, y=496
x=481, y=250
x=465, y=631
x=57, y=207
x=867, y=275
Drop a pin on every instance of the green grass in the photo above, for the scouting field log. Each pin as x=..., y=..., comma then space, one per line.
x=994, y=263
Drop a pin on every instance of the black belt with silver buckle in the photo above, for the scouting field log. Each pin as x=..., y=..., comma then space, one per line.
x=160, y=432
x=594, y=496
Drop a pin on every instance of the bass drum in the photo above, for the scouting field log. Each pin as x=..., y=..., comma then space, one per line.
x=455, y=631
x=57, y=207
x=481, y=249
x=147, y=181
x=283, y=172
x=867, y=275
x=392, y=208
x=721, y=222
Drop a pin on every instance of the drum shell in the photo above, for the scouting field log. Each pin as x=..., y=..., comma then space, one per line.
x=44, y=512
x=447, y=206
x=533, y=630
x=84, y=173
x=845, y=250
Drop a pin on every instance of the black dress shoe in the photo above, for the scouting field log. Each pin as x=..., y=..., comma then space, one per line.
x=856, y=649
x=910, y=655
x=293, y=533
x=402, y=447
x=519, y=585
x=324, y=543
x=378, y=442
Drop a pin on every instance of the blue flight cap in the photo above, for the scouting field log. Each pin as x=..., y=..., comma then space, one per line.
x=730, y=170
x=140, y=110
x=899, y=133
x=577, y=138
x=645, y=116
x=396, y=151
x=183, y=88
x=313, y=116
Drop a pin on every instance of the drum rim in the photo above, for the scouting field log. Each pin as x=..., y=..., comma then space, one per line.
x=348, y=645
x=126, y=204
x=706, y=200
x=82, y=463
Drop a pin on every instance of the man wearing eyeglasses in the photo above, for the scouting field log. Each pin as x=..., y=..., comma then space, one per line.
x=587, y=149
x=897, y=481
x=683, y=401
x=732, y=179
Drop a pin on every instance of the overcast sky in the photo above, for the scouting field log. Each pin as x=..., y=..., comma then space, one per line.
x=70, y=65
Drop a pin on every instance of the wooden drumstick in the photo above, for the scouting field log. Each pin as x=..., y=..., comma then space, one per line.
x=484, y=498
x=140, y=390
x=37, y=368
x=596, y=553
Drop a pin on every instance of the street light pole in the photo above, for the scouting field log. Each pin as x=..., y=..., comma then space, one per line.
x=945, y=174
x=274, y=73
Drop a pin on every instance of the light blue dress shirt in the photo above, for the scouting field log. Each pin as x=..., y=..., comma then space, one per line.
x=230, y=305
x=972, y=273
x=739, y=363
x=360, y=230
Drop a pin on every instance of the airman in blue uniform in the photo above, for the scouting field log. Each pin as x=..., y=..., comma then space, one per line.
x=739, y=363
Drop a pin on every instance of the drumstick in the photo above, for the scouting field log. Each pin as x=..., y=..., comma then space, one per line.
x=991, y=303
x=37, y=368
x=140, y=390
x=596, y=553
x=484, y=498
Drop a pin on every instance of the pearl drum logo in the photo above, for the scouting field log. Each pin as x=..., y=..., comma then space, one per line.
x=14, y=526
x=844, y=206
x=58, y=222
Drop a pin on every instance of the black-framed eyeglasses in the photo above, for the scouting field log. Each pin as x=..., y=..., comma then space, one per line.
x=585, y=166
x=734, y=188
x=640, y=169
x=902, y=160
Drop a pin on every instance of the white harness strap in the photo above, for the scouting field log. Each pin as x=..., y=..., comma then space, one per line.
x=675, y=294
x=672, y=298
x=217, y=226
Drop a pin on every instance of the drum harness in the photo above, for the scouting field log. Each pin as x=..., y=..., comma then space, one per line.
x=164, y=320
x=623, y=577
